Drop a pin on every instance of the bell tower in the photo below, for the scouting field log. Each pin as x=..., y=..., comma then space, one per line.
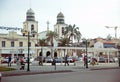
x=60, y=25
x=30, y=25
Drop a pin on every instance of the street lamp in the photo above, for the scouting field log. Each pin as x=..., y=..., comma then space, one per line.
x=86, y=54
x=119, y=59
x=85, y=42
x=28, y=35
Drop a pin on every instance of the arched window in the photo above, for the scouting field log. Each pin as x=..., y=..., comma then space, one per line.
x=55, y=54
x=32, y=27
x=48, y=53
x=62, y=30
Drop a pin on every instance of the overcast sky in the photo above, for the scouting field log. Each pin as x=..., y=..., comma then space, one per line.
x=91, y=16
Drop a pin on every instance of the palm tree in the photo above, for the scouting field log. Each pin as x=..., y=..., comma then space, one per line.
x=50, y=36
x=109, y=37
x=42, y=42
x=63, y=41
x=78, y=36
x=72, y=32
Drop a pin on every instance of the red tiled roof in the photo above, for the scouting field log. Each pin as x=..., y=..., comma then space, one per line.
x=109, y=43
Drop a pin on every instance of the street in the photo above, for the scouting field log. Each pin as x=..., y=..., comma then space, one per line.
x=111, y=75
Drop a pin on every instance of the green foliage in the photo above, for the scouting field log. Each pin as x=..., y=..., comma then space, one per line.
x=50, y=35
x=63, y=41
x=42, y=42
x=6, y=68
x=71, y=31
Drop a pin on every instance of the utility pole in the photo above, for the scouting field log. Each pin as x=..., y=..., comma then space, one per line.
x=115, y=28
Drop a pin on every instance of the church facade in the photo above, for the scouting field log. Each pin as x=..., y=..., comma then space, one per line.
x=15, y=44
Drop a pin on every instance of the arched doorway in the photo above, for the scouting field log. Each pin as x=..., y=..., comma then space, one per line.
x=47, y=53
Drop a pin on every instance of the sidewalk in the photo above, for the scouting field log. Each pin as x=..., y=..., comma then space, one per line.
x=47, y=68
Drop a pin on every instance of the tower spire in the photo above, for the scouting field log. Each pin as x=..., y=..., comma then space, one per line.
x=48, y=25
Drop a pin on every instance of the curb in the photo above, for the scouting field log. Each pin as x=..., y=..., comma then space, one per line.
x=105, y=68
x=5, y=74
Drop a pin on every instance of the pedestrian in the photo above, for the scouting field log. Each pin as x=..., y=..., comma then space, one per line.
x=40, y=60
x=85, y=60
x=18, y=63
x=54, y=62
x=22, y=64
x=66, y=60
x=93, y=61
x=9, y=61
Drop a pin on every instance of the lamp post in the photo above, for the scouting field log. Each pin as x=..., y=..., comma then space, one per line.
x=85, y=42
x=28, y=63
x=86, y=54
x=119, y=59
x=28, y=36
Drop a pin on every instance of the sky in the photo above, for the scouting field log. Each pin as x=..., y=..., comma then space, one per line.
x=91, y=16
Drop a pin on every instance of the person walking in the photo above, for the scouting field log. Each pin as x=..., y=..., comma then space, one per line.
x=85, y=60
x=66, y=60
x=40, y=60
x=18, y=63
x=9, y=61
x=22, y=64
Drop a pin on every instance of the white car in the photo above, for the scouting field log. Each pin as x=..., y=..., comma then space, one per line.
x=70, y=60
x=31, y=59
x=5, y=60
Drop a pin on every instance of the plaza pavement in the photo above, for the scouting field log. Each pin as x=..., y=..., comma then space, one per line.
x=59, y=68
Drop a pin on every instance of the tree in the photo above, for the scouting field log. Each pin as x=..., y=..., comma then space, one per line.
x=109, y=37
x=42, y=42
x=63, y=41
x=72, y=32
x=78, y=36
x=50, y=36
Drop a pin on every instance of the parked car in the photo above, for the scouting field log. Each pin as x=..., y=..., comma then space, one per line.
x=48, y=59
x=31, y=59
x=105, y=60
x=5, y=60
x=111, y=60
x=76, y=58
x=101, y=60
x=115, y=59
x=79, y=59
x=69, y=59
x=59, y=60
